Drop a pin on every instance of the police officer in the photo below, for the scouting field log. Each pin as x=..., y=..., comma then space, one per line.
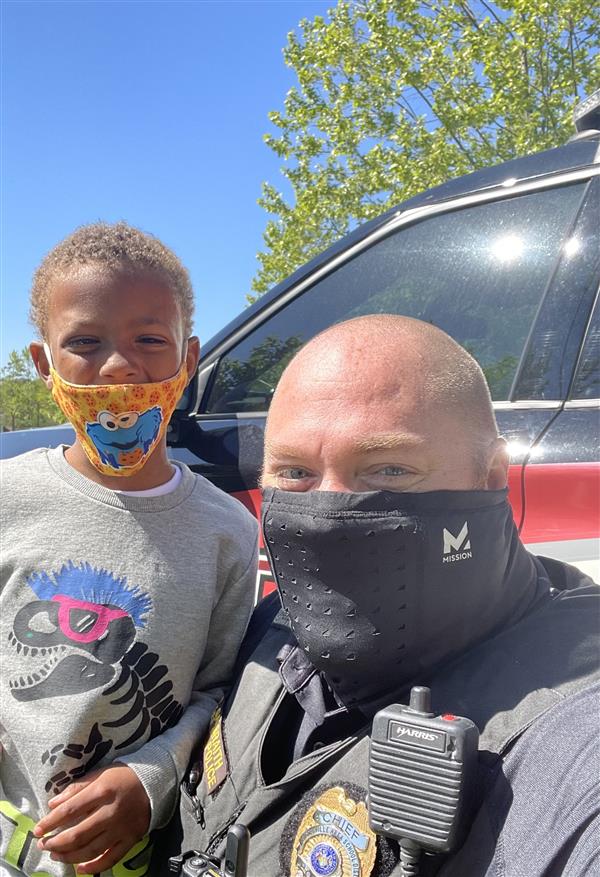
x=397, y=563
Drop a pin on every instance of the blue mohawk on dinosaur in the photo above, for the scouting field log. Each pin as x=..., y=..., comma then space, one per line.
x=83, y=581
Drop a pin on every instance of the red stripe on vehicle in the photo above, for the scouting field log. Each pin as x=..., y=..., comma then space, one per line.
x=562, y=502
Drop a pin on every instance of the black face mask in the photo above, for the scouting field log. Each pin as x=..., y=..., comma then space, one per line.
x=380, y=588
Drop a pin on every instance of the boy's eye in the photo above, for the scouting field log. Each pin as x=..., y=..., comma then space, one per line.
x=81, y=342
x=151, y=339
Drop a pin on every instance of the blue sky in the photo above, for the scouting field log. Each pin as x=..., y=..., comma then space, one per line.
x=152, y=112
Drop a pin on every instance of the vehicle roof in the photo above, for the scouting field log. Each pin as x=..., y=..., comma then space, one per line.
x=579, y=152
x=18, y=441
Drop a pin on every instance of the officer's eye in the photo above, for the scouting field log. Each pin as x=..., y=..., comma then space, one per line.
x=392, y=471
x=108, y=420
x=293, y=473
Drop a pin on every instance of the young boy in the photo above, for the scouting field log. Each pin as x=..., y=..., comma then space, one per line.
x=126, y=580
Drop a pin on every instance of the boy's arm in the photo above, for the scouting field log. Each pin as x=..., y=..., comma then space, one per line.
x=161, y=762
x=157, y=767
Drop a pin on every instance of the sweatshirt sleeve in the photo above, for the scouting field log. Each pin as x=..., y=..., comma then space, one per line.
x=161, y=762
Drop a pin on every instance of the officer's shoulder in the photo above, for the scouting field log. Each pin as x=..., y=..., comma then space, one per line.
x=565, y=577
x=268, y=612
x=561, y=743
x=561, y=733
x=268, y=627
x=540, y=811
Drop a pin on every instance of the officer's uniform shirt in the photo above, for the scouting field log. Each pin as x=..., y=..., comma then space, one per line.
x=300, y=784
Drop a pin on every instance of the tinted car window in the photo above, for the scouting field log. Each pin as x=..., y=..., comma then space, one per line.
x=587, y=378
x=547, y=368
x=478, y=273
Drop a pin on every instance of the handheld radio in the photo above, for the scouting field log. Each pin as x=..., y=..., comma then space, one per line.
x=233, y=864
x=421, y=777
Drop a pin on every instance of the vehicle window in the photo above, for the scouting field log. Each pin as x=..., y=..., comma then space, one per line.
x=478, y=273
x=587, y=379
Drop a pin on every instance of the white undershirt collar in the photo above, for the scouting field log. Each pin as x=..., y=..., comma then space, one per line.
x=162, y=489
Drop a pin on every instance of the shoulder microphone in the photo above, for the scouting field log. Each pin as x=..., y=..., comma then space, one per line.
x=422, y=773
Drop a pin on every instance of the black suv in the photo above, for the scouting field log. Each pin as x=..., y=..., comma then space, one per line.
x=507, y=261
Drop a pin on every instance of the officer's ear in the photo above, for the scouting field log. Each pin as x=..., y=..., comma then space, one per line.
x=497, y=470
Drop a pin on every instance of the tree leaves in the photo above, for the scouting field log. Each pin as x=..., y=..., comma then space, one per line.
x=24, y=400
x=396, y=96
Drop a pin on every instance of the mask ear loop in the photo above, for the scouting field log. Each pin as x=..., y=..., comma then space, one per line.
x=183, y=364
x=49, y=358
x=185, y=353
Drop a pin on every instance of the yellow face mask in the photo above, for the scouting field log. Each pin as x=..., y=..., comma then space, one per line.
x=118, y=425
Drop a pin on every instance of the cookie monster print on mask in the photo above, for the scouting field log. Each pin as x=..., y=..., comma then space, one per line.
x=118, y=425
x=122, y=439
x=81, y=634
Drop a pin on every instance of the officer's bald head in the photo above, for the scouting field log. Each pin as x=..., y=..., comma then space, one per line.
x=417, y=357
x=386, y=380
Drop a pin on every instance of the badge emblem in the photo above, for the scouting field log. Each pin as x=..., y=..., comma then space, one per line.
x=334, y=839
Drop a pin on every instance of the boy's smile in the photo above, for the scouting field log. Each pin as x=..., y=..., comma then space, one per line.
x=105, y=328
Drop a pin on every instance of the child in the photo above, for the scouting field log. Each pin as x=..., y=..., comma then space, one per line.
x=123, y=599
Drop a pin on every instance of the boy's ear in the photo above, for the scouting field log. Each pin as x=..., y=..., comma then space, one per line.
x=40, y=360
x=192, y=356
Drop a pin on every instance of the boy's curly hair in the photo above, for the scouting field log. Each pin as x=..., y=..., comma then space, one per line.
x=120, y=248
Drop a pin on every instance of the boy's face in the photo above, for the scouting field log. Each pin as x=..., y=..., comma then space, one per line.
x=107, y=329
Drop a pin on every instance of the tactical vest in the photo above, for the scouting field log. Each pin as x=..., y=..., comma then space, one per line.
x=503, y=685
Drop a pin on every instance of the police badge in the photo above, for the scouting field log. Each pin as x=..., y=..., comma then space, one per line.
x=334, y=838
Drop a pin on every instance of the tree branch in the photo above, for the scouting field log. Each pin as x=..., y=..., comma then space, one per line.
x=453, y=136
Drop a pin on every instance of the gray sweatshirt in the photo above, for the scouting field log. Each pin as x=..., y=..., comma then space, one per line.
x=120, y=621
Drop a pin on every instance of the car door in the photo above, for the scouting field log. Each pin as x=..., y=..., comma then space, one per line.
x=509, y=274
x=562, y=479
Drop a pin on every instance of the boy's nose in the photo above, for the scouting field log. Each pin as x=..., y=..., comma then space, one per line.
x=119, y=368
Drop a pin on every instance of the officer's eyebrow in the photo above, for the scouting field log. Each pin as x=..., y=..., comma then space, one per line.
x=287, y=452
x=384, y=442
x=387, y=442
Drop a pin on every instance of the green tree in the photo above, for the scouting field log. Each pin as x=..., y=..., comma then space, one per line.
x=24, y=400
x=396, y=96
